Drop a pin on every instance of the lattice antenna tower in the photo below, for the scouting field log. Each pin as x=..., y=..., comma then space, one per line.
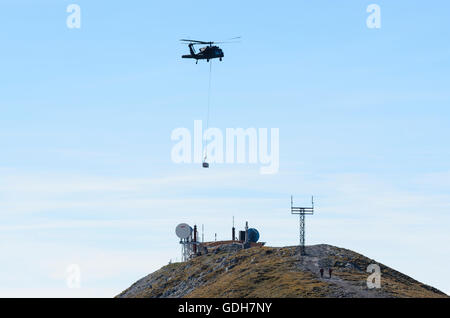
x=302, y=211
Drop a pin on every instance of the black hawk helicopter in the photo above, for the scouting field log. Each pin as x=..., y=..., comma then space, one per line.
x=206, y=53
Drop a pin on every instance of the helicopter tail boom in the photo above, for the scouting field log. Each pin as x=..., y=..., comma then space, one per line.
x=191, y=48
x=192, y=51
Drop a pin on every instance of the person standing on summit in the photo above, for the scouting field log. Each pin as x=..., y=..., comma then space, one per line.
x=330, y=271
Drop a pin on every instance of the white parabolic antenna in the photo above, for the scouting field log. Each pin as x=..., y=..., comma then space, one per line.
x=183, y=231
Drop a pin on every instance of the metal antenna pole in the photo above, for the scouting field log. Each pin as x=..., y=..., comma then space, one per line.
x=183, y=250
x=302, y=211
x=233, y=232
x=302, y=233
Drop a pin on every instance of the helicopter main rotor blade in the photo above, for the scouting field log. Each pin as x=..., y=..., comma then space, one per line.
x=226, y=42
x=231, y=40
x=195, y=41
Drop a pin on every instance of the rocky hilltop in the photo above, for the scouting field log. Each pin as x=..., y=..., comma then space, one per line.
x=229, y=271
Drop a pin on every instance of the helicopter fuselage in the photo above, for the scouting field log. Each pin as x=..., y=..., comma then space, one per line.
x=205, y=53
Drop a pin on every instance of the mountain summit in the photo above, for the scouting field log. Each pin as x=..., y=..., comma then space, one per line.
x=229, y=271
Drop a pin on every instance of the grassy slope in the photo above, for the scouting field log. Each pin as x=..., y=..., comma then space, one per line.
x=275, y=272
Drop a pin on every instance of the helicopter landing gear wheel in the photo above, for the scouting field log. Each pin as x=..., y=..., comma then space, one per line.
x=220, y=59
x=207, y=60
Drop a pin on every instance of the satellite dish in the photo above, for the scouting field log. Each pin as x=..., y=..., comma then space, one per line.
x=183, y=231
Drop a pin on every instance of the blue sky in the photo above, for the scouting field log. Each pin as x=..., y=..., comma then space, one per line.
x=86, y=175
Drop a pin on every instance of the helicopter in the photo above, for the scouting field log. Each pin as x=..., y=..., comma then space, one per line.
x=207, y=53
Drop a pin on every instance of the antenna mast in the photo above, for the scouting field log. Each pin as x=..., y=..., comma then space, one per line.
x=233, y=232
x=302, y=211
